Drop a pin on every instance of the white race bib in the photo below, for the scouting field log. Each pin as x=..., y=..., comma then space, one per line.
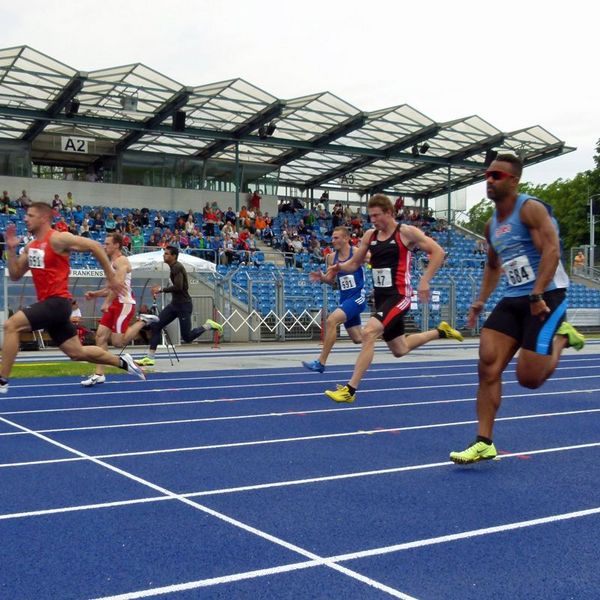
x=35, y=258
x=518, y=271
x=382, y=277
x=347, y=282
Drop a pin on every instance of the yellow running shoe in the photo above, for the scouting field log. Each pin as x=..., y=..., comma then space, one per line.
x=475, y=452
x=575, y=339
x=342, y=394
x=448, y=332
x=210, y=324
x=145, y=362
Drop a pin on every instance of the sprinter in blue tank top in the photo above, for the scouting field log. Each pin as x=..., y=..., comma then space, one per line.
x=523, y=243
x=352, y=298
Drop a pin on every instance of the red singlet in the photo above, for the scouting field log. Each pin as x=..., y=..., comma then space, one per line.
x=50, y=270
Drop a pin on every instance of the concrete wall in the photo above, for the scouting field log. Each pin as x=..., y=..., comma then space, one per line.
x=134, y=196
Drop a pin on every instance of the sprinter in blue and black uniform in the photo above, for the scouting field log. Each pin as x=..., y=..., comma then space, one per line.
x=352, y=298
x=523, y=242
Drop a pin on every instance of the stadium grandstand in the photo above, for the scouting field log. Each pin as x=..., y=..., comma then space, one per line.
x=248, y=182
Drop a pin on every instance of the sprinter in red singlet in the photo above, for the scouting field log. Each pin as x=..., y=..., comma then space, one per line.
x=390, y=246
x=47, y=256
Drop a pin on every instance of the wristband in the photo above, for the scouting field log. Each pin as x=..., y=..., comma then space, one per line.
x=536, y=297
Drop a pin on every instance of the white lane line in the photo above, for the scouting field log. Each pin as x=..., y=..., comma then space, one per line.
x=248, y=398
x=221, y=516
x=297, y=384
x=291, y=413
x=467, y=534
x=279, y=484
x=324, y=436
x=334, y=369
x=190, y=585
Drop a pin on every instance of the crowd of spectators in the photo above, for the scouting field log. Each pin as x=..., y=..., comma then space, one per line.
x=302, y=234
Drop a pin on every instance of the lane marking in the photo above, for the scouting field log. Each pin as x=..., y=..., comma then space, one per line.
x=279, y=484
x=250, y=398
x=332, y=369
x=292, y=413
x=354, y=555
x=221, y=516
x=324, y=436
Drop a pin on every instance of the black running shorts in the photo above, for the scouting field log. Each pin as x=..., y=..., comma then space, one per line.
x=54, y=315
x=512, y=316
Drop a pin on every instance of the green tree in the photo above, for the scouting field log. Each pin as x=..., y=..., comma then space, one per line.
x=479, y=215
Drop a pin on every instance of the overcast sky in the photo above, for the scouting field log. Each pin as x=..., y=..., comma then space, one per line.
x=515, y=64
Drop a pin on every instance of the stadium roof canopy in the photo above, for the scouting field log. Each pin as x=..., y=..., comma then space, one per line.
x=316, y=141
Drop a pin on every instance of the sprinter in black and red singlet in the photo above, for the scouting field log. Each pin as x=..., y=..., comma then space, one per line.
x=391, y=248
x=47, y=257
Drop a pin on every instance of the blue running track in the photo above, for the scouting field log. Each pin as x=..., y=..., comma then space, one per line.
x=254, y=485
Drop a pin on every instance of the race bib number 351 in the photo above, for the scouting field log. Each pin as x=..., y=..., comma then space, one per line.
x=518, y=271
x=35, y=258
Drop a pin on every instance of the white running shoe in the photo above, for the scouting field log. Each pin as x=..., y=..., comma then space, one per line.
x=147, y=318
x=3, y=388
x=132, y=367
x=93, y=380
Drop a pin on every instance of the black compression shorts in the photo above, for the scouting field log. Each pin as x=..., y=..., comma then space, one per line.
x=512, y=316
x=54, y=315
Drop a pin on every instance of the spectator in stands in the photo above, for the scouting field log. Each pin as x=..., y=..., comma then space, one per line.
x=120, y=226
x=61, y=225
x=7, y=206
x=73, y=227
x=254, y=201
x=399, y=205
x=110, y=225
x=579, y=263
x=84, y=228
x=227, y=253
x=302, y=228
x=190, y=225
x=69, y=202
x=268, y=235
x=152, y=241
x=210, y=220
x=75, y=313
x=137, y=241
x=230, y=216
x=98, y=221
x=57, y=204
x=315, y=250
x=259, y=224
x=24, y=200
x=159, y=221
x=480, y=247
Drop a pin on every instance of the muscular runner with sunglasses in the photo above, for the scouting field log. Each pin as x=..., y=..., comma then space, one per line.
x=523, y=243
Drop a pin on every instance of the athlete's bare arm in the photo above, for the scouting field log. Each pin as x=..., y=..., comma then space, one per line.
x=411, y=236
x=545, y=238
x=64, y=242
x=17, y=265
x=491, y=275
x=358, y=258
x=328, y=277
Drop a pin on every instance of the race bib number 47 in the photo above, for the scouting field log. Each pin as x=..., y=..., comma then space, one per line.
x=382, y=277
x=35, y=258
x=518, y=271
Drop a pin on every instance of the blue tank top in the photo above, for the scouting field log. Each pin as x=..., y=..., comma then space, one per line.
x=349, y=284
x=520, y=259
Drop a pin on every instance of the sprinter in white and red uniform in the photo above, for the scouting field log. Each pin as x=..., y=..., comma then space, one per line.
x=117, y=309
x=47, y=256
x=390, y=246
